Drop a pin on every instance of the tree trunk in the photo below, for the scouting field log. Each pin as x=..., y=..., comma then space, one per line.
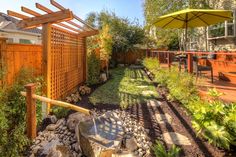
x=107, y=70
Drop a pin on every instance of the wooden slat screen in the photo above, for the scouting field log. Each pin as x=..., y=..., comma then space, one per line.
x=67, y=52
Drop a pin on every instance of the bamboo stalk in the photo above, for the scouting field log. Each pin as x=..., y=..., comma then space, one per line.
x=60, y=103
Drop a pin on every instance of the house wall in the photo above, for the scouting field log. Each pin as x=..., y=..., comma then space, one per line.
x=14, y=37
x=198, y=40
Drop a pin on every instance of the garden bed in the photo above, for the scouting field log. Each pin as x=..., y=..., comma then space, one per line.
x=145, y=114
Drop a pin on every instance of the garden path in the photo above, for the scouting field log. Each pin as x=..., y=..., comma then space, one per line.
x=168, y=122
x=165, y=121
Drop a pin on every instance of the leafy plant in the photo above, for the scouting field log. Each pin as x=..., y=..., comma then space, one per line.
x=214, y=93
x=160, y=151
x=93, y=69
x=217, y=135
x=106, y=43
x=12, y=115
x=59, y=112
x=213, y=119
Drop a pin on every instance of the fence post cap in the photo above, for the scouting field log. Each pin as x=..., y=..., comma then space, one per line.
x=30, y=85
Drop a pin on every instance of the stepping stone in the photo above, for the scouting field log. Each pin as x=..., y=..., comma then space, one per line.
x=175, y=138
x=154, y=103
x=147, y=92
x=142, y=87
x=163, y=118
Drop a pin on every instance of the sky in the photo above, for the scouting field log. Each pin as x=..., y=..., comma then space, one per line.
x=123, y=8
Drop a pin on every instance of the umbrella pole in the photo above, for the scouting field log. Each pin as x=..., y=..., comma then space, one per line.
x=185, y=43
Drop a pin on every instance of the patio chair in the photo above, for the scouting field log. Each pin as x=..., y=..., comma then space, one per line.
x=200, y=68
x=180, y=60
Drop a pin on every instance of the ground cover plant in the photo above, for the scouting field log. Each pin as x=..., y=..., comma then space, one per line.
x=160, y=151
x=13, y=140
x=212, y=119
x=125, y=88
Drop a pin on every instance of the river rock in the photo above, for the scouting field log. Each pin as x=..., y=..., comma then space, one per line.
x=50, y=119
x=53, y=149
x=131, y=144
x=103, y=77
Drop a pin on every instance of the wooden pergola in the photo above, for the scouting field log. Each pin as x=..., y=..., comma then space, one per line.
x=63, y=43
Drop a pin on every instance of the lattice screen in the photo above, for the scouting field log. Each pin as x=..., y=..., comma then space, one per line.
x=67, y=66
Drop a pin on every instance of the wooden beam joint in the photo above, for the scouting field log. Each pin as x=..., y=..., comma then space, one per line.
x=54, y=17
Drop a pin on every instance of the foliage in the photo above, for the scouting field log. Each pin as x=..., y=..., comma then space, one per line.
x=124, y=88
x=125, y=34
x=93, y=69
x=155, y=8
x=106, y=43
x=12, y=115
x=212, y=119
x=60, y=112
x=152, y=64
x=160, y=151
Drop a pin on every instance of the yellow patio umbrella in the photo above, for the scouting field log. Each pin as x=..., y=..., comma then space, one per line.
x=192, y=18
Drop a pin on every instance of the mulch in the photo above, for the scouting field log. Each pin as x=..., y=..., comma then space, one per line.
x=181, y=123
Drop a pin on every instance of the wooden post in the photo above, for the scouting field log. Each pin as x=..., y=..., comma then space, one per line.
x=159, y=56
x=168, y=60
x=190, y=63
x=46, y=40
x=31, y=111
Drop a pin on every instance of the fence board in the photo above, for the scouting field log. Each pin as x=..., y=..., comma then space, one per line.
x=18, y=56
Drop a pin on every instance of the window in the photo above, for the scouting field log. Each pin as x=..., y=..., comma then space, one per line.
x=10, y=40
x=25, y=41
x=226, y=29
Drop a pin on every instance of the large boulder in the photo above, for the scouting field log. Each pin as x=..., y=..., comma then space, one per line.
x=100, y=137
x=75, y=119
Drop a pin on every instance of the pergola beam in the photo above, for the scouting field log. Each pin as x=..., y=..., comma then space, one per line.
x=45, y=9
x=34, y=13
x=57, y=5
x=17, y=15
x=54, y=17
x=88, y=33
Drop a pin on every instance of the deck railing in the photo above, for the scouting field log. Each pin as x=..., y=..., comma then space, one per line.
x=167, y=56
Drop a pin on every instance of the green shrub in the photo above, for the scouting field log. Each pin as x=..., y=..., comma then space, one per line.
x=160, y=151
x=93, y=69
x=13, y=140
x=152, y=64
x=59, y=112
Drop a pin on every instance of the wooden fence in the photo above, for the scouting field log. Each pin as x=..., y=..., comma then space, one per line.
x=14, y=57
x=129, y=57
x=67, y=62
x=223, y=64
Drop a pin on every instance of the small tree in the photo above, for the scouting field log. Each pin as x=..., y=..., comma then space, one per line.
x=106, y=43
